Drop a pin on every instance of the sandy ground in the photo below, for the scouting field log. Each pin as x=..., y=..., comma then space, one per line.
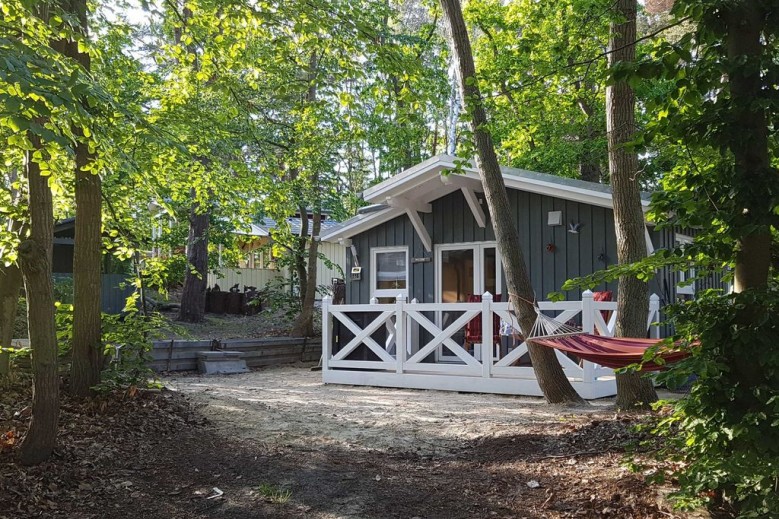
x=291, y=406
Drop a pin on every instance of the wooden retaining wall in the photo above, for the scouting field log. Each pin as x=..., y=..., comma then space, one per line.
x=179, y=355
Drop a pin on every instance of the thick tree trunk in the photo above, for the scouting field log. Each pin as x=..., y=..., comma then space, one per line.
x=87, y=340
x=10, y=284
x=744, y=41
x=633, y=390
x=35, y=262
x=193, y=296
x=551, y=378
x=304, y=324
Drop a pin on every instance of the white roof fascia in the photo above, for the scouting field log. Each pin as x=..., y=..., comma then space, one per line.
x=363, y=224
x=430, y=170
x=408, y=179
x=421, y=173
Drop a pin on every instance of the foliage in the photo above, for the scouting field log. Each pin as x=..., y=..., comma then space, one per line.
x=279, y=295
x=543, y=73
x=697, y=123
x=128, y=340
x=726, y=432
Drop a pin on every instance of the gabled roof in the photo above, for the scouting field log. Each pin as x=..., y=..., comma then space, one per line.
x=430, y=180
x=267, y=224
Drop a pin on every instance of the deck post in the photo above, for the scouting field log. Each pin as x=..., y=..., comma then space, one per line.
x=588, y=320
x=412, y=331
x=654, y=315
x=327, y=338
x=400, y=332
x=486, y=335
x=588, y=326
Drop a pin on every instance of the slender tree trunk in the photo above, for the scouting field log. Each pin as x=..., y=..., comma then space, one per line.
x=589, y=165
x=304, y=324
x=87, y=341
x=35, y=262
x=633, y=390
x=551, y=378
x=746, y=21
x=300, y=255
x=193, y=296
x=10, y=284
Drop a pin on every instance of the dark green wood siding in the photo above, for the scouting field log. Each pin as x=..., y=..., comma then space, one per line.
x=451, y=221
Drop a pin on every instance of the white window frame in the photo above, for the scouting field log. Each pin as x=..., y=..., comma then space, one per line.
x=478, y=278
x=388, y=292
x=687, y=290
x=478, y=257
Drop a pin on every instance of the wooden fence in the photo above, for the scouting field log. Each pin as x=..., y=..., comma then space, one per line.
x=179, y=355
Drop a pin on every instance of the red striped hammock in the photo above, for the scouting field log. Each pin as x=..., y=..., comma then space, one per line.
x=611, y=352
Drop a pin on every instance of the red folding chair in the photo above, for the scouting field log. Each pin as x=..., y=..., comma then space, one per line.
x=473, y=330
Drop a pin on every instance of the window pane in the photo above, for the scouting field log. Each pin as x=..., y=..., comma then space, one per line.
x=391, y=270
x=456, y=275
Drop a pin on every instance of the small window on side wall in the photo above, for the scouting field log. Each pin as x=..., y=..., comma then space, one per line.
x=389, y=273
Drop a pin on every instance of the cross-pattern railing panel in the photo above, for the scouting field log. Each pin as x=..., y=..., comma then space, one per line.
x=402, y=351
x=363, y=336
x=442, y=337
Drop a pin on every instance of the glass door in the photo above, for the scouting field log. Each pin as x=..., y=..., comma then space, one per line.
x=463, y=271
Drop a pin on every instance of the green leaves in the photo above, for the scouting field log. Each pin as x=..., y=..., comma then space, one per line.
x=724, y=433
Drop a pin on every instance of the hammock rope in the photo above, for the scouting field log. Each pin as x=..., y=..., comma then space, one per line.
x=547, y=327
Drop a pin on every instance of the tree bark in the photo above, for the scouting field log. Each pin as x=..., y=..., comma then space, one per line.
x=745, y=22
x=300, y=254
x=87, y=254
x=304, y=324
x=193, y=296
x=551, y=378
x=633, y=390
x=10, y=284
x=35, y=262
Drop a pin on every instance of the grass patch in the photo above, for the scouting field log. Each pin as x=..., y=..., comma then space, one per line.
x=274, y=494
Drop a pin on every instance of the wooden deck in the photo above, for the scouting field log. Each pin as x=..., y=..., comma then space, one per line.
x=404, y=345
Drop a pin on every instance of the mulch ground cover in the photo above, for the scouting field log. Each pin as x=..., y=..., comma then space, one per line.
x=150, y=454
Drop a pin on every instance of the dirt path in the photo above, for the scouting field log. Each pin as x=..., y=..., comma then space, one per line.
x=290, y=406
x=359, y=452
x=279, y=444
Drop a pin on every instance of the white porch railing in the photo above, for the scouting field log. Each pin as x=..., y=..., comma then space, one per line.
x=410, y=353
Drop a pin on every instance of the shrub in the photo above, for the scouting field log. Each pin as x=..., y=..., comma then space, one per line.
x=722, y=440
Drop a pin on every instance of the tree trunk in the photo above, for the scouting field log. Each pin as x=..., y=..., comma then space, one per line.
x=10, y=284
x=193, y=296
x=304, y=324
x=551, y=378
x=35, y=262
x=746, y=21
x=589, y=165
x=300, y=255
x=633, y=390
x=87, y=254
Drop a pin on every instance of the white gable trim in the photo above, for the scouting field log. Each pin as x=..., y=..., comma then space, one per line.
x=399, y=191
